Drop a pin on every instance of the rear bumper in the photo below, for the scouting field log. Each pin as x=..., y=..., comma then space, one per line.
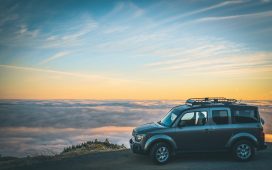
x=136, y=147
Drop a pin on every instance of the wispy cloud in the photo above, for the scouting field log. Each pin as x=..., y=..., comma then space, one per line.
x=93, y=77
x=68, y=33
x=242, y=16
x=88, y=27
x=131, y=10
x=198, y=11
x=265, y=1
x=52, y=71
x=9, y=15
x=55, y=56
x=116, y=10
x=212, y=7
x=7, y=18
x=212, y=56
x=73, y=35
x=138, y=12
x=214, y=64
x=116, y=29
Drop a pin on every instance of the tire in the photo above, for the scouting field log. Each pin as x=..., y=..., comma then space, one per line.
x=160, y=153
x=243, y=151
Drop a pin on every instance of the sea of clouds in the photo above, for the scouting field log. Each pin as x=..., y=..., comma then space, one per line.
x=33, y=127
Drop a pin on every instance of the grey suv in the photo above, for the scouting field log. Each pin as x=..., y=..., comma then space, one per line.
x=202, y=125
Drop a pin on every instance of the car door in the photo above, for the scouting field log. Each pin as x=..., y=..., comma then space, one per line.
x=221, y=127
x=192, y=130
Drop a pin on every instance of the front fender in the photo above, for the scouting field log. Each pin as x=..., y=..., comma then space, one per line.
x=157, y=138
x=238, y=136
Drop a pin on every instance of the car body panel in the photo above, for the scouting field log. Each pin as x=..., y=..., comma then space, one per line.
x=192, y=138
x=242, y=135
x=160, y=137
x=219, y=133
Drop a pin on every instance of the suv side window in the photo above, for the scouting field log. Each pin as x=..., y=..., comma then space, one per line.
x=244, y=116
x=220, y=117
x=196, y=118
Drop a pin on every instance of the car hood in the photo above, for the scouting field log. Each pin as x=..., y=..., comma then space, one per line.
x=148, y=127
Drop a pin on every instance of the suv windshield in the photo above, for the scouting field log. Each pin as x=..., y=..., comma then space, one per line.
x=169, y=118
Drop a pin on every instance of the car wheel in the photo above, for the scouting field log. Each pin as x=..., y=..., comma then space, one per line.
x=243, y=150
x=160, y=153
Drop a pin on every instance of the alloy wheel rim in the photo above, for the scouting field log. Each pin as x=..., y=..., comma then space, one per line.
x=162, y=154
x=243, y=151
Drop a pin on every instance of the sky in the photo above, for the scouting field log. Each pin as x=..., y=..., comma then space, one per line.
x=135, y=49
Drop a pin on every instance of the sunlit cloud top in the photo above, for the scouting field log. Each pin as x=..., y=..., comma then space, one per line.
x=136, y=49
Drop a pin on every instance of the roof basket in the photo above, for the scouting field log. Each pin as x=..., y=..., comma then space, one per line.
x=210, y=100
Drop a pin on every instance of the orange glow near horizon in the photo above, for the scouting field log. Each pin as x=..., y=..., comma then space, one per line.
x=31, y=83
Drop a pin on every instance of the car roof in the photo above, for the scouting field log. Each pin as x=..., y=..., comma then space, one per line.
x=185, y=107
x=210, y=102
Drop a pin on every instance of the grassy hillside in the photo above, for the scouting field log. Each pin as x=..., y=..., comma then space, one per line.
x=91, y=146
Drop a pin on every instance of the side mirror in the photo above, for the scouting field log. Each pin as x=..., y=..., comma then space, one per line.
x=262, y=121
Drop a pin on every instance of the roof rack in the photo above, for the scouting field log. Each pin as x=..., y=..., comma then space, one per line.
x=210, y=100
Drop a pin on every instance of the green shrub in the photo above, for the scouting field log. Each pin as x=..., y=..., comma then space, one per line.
x=95, y=145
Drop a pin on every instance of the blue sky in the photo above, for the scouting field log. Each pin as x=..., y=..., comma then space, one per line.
x=153, y=42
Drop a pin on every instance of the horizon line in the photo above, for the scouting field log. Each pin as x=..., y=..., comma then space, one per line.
x=117, y=99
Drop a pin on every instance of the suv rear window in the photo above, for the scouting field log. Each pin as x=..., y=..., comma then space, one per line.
x=244, y=116
x=220, y=117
